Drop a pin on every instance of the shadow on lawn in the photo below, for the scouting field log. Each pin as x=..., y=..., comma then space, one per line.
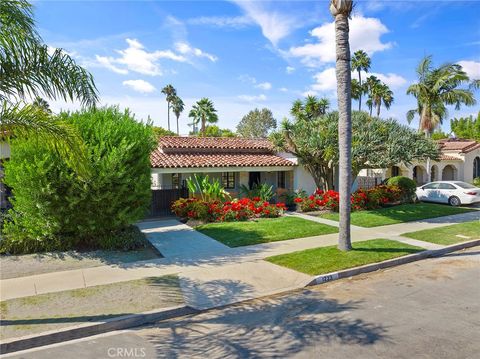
x=274, y=327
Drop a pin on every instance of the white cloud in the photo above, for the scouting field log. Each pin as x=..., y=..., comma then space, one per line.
x=394, y=81
x=326, y=80
x=309, y=93
x=283, y=89
x=472, y=68
x=249, y=98
x=264, y=86
x=139, y=86
x=185, y=49
x=289, y=69
x=222, y=21
x=247, y=79
x=275, y=25
x=107, y=63
x=365, y=34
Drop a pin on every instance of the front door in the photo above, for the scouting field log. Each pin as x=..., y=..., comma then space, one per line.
x=253, y=179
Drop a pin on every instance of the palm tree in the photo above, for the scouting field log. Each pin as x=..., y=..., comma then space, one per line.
x=360, y=62
x=170, y=93
x=379, y=93
x=357, y=90
x=29, y=70
x=202, y=112
x=310, y=109
x=324, y=105
x=42, y=104
x=436, y=89
x=372, y=86
x=177, y=106
x=341, y=10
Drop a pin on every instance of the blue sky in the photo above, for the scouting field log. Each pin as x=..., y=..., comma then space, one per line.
x=247, y=54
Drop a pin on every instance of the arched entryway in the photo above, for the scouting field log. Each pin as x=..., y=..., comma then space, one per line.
x=476, y=167
x=449, y=173
x=395, y=171
x=434, y=173
x=419, y=175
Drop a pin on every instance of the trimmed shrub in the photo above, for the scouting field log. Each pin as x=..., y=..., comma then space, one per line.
x=406, y=185
x=476, y=181
x=54, y=209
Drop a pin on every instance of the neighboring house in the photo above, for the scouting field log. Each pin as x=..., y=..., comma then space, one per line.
x=233, y=161
x=459, y=160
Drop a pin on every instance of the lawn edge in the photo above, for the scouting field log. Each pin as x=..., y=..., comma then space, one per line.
x=10, y=345
x=429, y=253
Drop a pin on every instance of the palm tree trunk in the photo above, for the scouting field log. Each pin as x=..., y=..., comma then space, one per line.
x=371, y=109
x=168, y=114
x=204, y=121
x=178, y=132
x=344, y=82
x=378, y=109
x=360, y=99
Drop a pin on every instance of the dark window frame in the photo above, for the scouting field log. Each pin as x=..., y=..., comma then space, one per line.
x=228, y=180
x=175, y=180
x=281, y=179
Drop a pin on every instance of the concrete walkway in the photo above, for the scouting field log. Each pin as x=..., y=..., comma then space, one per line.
x=212, y=274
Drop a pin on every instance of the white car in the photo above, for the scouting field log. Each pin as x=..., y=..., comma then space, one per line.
x=455, y=193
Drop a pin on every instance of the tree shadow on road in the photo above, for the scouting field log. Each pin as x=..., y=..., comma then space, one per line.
x=273, y=327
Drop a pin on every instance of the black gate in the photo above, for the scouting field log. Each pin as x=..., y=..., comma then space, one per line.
x=162, y=200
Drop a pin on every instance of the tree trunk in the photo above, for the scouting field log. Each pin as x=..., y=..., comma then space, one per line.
x=371, y=109
x=202, y=130
x=360, y=99
x=378, y=109
x=178, y=131
x=168, y=114
x=344, y=82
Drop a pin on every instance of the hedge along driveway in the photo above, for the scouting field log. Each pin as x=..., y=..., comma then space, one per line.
x=236, y=234
x=399, y=214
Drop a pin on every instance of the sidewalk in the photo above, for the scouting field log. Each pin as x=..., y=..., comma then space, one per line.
x=212, y=274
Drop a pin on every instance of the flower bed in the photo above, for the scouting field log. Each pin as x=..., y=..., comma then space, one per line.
x=222, y=211
x=362, y=199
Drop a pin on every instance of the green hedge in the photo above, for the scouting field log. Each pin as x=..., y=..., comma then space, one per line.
x=54, y=209
x=407, y=185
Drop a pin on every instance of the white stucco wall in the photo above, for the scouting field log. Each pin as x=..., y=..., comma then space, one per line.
x=302, y=180
x=4, y=150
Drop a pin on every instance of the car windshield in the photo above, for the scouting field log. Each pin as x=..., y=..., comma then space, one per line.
x=465, y=185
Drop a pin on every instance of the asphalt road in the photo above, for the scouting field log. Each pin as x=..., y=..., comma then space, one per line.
x=427, y=309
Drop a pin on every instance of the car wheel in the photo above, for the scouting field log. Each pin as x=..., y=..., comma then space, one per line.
x=454, y=201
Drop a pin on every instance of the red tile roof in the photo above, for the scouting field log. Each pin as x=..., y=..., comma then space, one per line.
x=458, y=144
x=192, y=152
x=449, y=158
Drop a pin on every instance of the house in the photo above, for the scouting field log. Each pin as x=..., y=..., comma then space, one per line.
x=459, y=160
x=235, y=162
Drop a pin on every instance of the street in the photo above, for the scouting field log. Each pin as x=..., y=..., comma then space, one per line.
x=426, y=309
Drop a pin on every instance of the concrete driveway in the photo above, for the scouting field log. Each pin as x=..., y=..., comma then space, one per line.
x=427, y=309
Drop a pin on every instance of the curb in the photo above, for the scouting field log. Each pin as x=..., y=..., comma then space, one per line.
x=89, y=329
x=324, y=278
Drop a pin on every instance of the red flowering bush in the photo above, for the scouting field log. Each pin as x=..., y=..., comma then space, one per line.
x=361, y=199
x=218, y=211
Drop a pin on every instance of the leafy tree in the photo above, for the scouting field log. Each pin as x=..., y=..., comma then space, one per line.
x=360, y=62
x=215, y=131
x=53, y=209
x=161, y=132
x=27, y=69
x=42, y=104
x=177, y=106
x=439, y=135
x=170, y=93
x=257, y=123
x=309, y=109
x=341, y=11
x=435, y=90
x=377, y=143
x=466, y=127
x=202, y=112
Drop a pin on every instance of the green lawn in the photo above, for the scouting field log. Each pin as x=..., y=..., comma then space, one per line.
x=399, y=214
x=236, y=234
x=330, y=259
x=448, y=235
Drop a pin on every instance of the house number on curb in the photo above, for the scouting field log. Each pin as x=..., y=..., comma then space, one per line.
x=327, y=278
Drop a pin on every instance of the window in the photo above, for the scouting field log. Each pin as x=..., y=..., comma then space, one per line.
x=465, y=185
x=431, y=186
x=281, y=179
x=228, y=180
x=476, y=167
x=395, y=171
x=446, y=186
x=175, y=180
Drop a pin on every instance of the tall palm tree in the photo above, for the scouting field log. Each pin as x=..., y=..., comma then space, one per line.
x=202, y=112
x=324, y=105
x=42, y=104
x=310, y=109
x=170, y=93
x=27, y=70
x=177, y=107
x=372, y=85
x=379, y=93
x=435, y=90
x=341, y=10
x=360, y=62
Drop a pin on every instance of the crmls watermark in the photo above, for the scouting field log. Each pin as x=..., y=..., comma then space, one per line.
x=119, y=352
